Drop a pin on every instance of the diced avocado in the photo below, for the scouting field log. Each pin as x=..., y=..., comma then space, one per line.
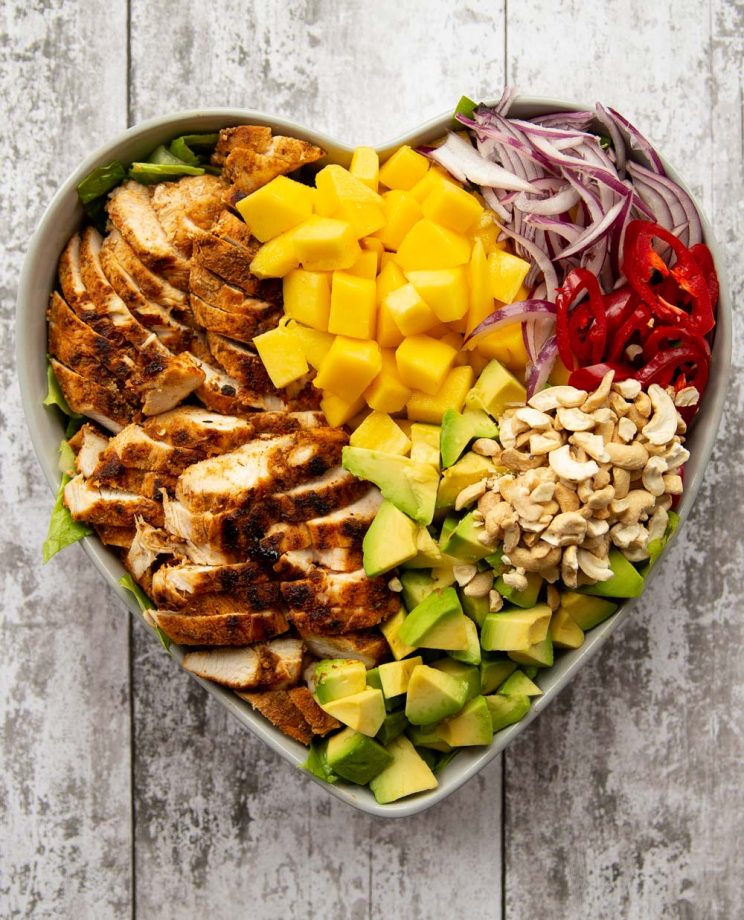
x=428, y=553
x=463, y=543
x=430, y=757
x=471, y=654
x=390, y=540
x=448, y=525
x=495, y=390
x=519, y=684
x=496, y=561
x=458, y=430
x=417, y=586
x=471, y=468
x=494, y=673
x=364, y=712
x=506, y=710
x=531, y=670
x=391, y=703
x=471, y=726
x=541, y=653
x=626, y=581
x=464, y=671
x=394, y=675
x=526, y=598
x=428, y=736
x=425, y=443
x=406, y=774
x=586, y=611
x=317, y=762
x=410, y=486
x=391, y=631
x=355, y=757
x=443, y=575
x=512, y=630
x=338, y=677
x=477, y=608
x=565, y=631
x=395, y=724
x=443, y=759
x=437, y=622
x=433, y=695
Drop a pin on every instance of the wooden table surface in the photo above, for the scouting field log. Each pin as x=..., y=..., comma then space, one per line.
x=124, y=790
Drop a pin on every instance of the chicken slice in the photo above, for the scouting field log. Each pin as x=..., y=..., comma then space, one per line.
x=153, y=287
x=323, y=588
x=368, y=647
x=148, y=544
x=120, y=537
x=185, y=581
x=86, y=397
x=221, y=629
x=240, y=362
x=134, y=447
x=227, y=307
x=225, y=263
x=113, y=475
x=187, y=208
x=260, y=597
x=302, y=562
x=222, y=393
x=318, y=719
x=108, y=506
x=88, y=444
x=276, y=665
x=332, y=621
x=321, y=496
x=277, y=706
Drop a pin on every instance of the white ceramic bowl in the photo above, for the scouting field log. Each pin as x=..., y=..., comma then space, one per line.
x=38, y=278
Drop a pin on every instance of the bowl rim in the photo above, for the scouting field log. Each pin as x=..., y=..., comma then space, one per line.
x=41, y=422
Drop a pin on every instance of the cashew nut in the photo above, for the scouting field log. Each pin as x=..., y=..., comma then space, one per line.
x=533, y=418
x=657, y=524
x=566, y=467
x=543, y=492
x=553, y=397
x=567, y=499
x=593, y=444
x=596, y=568
x=652, y=478
x=495, y=601
x=516, y=460
x=506, y=434
x=621, y=482
x=533, y=560
x=618, y=405
x=628, y=456
x=601, y=498
x=464, y=574
x=626, y=429
x=663, y=424
x=516, y=579
x=622, y=535
x=596, y=528
x=566, y=529
x=640, y=504
x=570, y=567
x=573, y=419
x=600, y=395
x=553, y=597
x=541, y=444
x=676, y=455
x=524, y=506
x=672, y=484
x=486, y=447
x=470, y=494
x=628, y=389
x=687, y=396
x=479, y=586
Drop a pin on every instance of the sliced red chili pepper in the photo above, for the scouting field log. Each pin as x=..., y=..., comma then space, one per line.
x=636, y=326
x=662, y=338
x=619, y=305
x=664, y=365
x=577, y=281
x=704, y=258
x=589, y=378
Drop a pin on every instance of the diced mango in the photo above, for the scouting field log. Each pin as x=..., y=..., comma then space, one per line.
x=281, y=355
x=337, y=410
x=507, y=274
x=349, y=367
x=431, y=180
x=390, y=279
x=276, y=207
x=387, y=392
x=364, y=218
x=455, y=340
x=277, y=257
x=423, y=362
x=487, y=231
x=445, y=290
x=479, y=280
x=424, y=408
x=379, y=432
x=450, y=205
x=401, y=211
x=365, y=166
x=404, y=168
x=366, y=265
x=388, y=333
x=307, y=297
x=430, y=245
x=507, y=346
x=324, y=244
x=336, y=184
x=372, y=244
x=409, y=311
x=560, y=373
x=353, y=306
x=314, y=343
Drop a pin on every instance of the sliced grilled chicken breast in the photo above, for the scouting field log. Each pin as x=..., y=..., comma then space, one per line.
x=302, y=562
x=153, y=287
x=108, y=506
x=369, y=647
x=340, y=589
x=276, y=664
x=318, y=719
x=89, y=443
x=101, y=403
x=135, y=447
x=186, y=209
x=277, y=706
x=221, y=629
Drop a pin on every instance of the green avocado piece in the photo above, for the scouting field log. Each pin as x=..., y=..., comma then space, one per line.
x=428, y=736
x=417, y=585
x=526, y=598
x=494, y=673
x=461, y=670
x=364, y=712
x=448, y=525
x=338, y=677
x=586, y=611
x=495, y=389
x=355, y=757
x=410, y=486
x=430, y=757
x=515, y=630
x=471, y=726
x=317, y=762
x=626, y=581
x=407, y=774
x=458, y=430
x=469, y=469
x=519, y=684
x=390, y=540
x=477, y=608
x=433, y=695
x=440, y=611
x=391, y=631
x=425, y=443
x=506, y=710
x=463, y=543
x=471, y=654
x=428, y=553
x=565, y=631
x=394, y=675
x=395, y=724
x=391, y=703
x=541, y=653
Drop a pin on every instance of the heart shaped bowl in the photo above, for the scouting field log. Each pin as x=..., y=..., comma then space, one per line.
x=64, y=216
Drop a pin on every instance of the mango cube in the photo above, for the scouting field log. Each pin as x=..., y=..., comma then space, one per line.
x=388, y=333
x=507, y=274
x=401, y=212
x=337, y=410
x=341, y=195
x=307, y=297
x=379, y=432
x=366, y=265
x=276, y=207
x=282, y=356
x=409, y=310
x=325, y=244
x=404, y=168
x=430, y=245
x=387, y=392
x=487, y=231
x=353, y=306
x=313, y=342
x=432, y=179
x=277, y=257
x=372, y=244
x=452, y=206
x=423, y=362
x=349, y=367
x=479, y=280
x=507, y=346
x=445, y=290
x=559, y=375
x=365, y=166
x=390, y=279
x=451, y=395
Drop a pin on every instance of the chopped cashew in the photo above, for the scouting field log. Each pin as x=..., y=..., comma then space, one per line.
x=626, y=429
x=652, y=478
x=672, y=484
x=565, y=529
x=553, y=397
x=470, y=494
x=573, y=419
x=464, y=574
x=566, y=467
x=628, y=456
x=514, y=459
x=600, y=395
x=479, y=586
x=495, y=601
x=663, y=424
x=628, y=389
x=543, y=443
x=596, y=568
x=486, y=447
x=687, y=396
x=593, y=444
x=533, y=418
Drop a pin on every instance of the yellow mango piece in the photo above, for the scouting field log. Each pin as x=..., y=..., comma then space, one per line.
x=430, y=245
x=307, y=297
x=379, y=432
x=365, y=166
x=313, y=342
x=387, y=392
x=422, y=407
x=432, y=179
x=336, y=185
x=366, y=265
x=349, y=367
x=559, y=374
x=324, y=244
x=401, y=212
x=364, y=218
x=507, y=274
x=409, y=311
x=507, y=346
x=388, y=333
x=281, y=355
x=445, y=290
x=479, y=280
x=353, y=306
x=452, y=206
x=403, y=169
x=276, y=207
x=372, y=244
x=455, y=340
x=337, y=410
x=424, y=362
x=487, y=231
x=277, y=257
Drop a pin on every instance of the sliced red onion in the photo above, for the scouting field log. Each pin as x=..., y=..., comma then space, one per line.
x=493, y=202
x=541, y=368
x=639, y=142
x=464, y=162
x=578, y=120
x=541, y=258
x=528, y=339
x=512, y=313
x=680, y=204
x=557, y=204
x=594, y=232
x=570, y=232
x=610, y=126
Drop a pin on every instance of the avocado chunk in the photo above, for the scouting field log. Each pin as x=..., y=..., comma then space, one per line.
x=506, y=710
x=428, y=736
x=364, y=712
x=410, y=486
x=512, y=630
x=428, y=554
x=437, y=622
x=526, y=598
x=338, y=677
x=433, y=695
x=471, y=654
x=425, y=444
x=626, y=580
x=462, y=671
x=391, y=631
x=540, y=654
x=586, y=611
x=477, y=608
x=317, y=762
x=494, y=673
x=417, y=586
x=395, y=675
x=407, y=774
x=390, y=540
x=519, y=684
x=458, y=430
x=463, y=543
x=495, y=390
x=395, y=724
x=564, y=630
x=448, y=525
x=471, y=726
x=471, y=468
x=391, y=703
x=355, y=757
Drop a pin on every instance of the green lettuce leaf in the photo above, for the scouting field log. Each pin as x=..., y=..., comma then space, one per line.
x=144, y=603
x=656, y=547
x=55, y=396
x=63, y=530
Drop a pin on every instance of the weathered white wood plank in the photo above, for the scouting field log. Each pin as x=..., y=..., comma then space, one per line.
x=64, y=729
